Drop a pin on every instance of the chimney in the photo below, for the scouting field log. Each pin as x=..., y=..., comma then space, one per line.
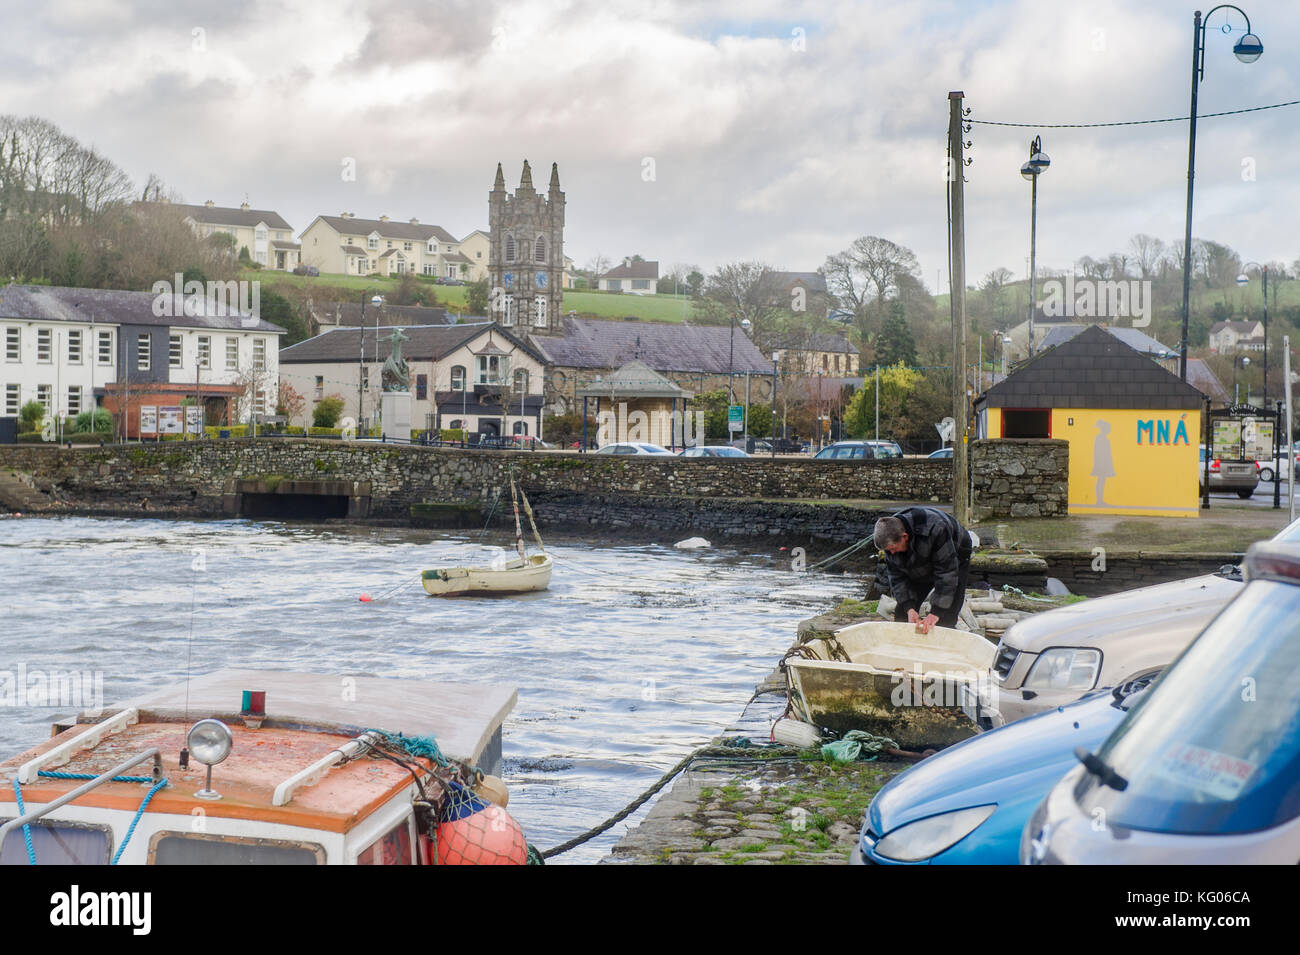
x=243, y=206
x=345, y=215
x=627, y=261
x=414, y=221
x=209, y=204
x=383, y=218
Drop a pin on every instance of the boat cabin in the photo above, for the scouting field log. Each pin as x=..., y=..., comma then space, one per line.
x=293, y=781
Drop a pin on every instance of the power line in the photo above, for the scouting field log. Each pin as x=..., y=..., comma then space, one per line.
x=1134, y=122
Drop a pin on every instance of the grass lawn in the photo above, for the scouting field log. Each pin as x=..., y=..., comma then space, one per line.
x=655, y=308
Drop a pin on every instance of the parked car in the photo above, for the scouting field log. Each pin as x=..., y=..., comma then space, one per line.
x=968, y=804
x=1239, y=476
x=712, y=451
x=942, y=453
x=1278, y=466
x=633, y=447
x=1205, y=770
x=1051, y=659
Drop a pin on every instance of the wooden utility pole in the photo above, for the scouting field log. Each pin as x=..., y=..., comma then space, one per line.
x=957, y=292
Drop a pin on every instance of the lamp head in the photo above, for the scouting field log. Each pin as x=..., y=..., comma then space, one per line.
x=377, y=300
x=1248, y=49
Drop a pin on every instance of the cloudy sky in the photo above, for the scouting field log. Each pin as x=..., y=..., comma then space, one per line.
x=687, y=131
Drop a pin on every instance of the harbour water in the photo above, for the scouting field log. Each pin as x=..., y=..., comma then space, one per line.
x=636, y=655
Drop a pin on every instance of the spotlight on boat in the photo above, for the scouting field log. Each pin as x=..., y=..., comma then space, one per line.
x=209, y=741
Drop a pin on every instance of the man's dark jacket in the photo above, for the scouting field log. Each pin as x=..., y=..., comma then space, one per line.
x=937, y=547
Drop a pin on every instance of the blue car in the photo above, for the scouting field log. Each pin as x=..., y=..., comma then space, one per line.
x=968, y=804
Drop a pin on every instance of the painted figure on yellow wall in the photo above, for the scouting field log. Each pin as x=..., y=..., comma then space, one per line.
x=1103, y=466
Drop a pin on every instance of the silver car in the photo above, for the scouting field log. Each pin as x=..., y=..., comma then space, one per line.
x=1206, y=768
x=1053, y=658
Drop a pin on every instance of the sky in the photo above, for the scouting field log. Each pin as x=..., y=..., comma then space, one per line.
x=689, y=132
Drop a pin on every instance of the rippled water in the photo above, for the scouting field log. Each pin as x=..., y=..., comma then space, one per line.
x=636, y=655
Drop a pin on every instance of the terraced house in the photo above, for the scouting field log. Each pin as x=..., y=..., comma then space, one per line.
x=346, y=245
x=268, y=238
x=73, y=349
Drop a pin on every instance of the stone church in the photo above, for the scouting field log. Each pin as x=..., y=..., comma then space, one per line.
x=526, y=257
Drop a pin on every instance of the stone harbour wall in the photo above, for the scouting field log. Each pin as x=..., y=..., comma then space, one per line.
x=202, y=477
x=1019, y=477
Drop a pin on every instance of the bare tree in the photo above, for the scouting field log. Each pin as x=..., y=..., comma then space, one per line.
x=745, y=290
x=1148, y=251
x=598, y=265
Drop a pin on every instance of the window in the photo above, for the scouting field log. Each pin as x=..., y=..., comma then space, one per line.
x=45, y=395
x=320, y=387
x=74, y=400
x=421, y=387
x=184, y=848
x=520, y=427
x=406, y=246
x=12, y=395
x=448, y=248
x=232, y=354
x=105, y=348
x=44, y=346
x=458, y=380
x=539, y=311
x=614, y=285
x=489, y=370
x=144, y=348
x=1026, y=423
x=365, y=378
x=259, y=354
x=539, y=250
x=510, y=248
x=478, y=255
x=74, y=346
x=641, y=283
x=174, y=353
x=260, y=405
x=372, y=244
x=826, y=362
x=509, y=317
x=521, y=381
x=205, y=351
x=60, y=843
x=395, y=847
x=13, y=344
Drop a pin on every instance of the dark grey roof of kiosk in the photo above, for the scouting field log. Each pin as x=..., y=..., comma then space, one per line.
x=1094, y=369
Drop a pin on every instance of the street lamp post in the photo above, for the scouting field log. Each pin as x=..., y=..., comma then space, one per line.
x=1245, y=363
x=1248, y=49
x=361, y=357
x=1243, y=279
x=776, y=355
x=1006, y=340
x=1031, y=170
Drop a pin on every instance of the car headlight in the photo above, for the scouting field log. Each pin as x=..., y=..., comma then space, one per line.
x=1065, y=668
x=928, y=837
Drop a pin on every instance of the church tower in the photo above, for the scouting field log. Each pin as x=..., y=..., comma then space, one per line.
x=526, y=258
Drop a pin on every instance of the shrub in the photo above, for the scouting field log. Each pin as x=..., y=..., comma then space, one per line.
x=31, y=415
x=335, y=432
x=327, y=412
x=453, y=434
x=97, y=420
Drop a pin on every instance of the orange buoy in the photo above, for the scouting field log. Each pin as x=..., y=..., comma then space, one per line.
x=365, y=598
x=473, y=832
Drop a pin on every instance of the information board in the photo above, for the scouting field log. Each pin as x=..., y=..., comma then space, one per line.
x=736, y=417
x=169, y=420
x=148, y=419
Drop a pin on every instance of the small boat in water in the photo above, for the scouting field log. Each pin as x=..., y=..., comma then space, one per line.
x=304, y=769
x=889, y=680
x=519, y=576
x=525, y=574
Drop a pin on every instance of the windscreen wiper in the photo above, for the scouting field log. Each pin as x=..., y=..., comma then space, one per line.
x=1099, y=768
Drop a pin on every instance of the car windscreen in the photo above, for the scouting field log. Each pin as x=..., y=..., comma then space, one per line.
x=1216, y=748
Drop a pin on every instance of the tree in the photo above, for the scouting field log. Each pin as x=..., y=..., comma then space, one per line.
x=245, y=259
x=760, y=421
x=31, y=415
x=327, y=412
x=278, y=310
x=745, y=290
x=598, y=265
x=895, y=344
x=289, y=403
x=896, y=385
x=1148, y=251
x=993, y=289
x=865, y=275
x=476, y=297
x=696, y=281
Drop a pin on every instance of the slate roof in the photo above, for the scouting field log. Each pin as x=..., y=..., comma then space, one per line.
x=1094, y=369
x=48, y=303
x=633, y=270
x=1203, y=378
x=1129, y=336
x=663, y=346
x=635, y=380
x=224, y=215
x=350, y=313
x=1241, y=328
x=285, y=244
x=389, y=230
x=424, y=343
x=830, y=342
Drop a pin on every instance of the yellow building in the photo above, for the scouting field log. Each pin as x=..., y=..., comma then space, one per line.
x=1134, y=428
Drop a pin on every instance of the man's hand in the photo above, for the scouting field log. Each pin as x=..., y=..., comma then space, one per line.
x=926, y=625
x=914, y=617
